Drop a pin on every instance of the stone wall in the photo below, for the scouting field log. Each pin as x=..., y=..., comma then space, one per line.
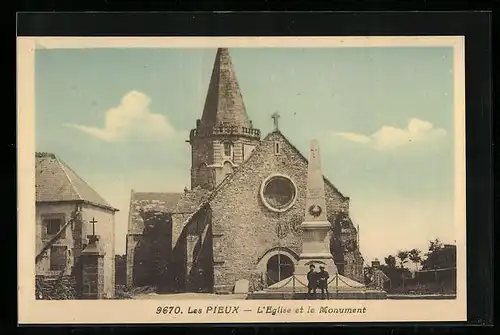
x=67, y=238
x=193, y=251
x=207, y=158
x=202, y=155
x=244, y=230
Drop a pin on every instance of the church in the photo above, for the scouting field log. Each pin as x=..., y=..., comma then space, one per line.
x=241, y=217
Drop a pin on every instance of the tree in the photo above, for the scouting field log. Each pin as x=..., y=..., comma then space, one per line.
x=435, y=245
x=390, y=261
x=415, y=257
x=439, y=256
x=403, y=257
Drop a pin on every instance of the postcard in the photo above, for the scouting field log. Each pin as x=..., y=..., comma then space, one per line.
x=235, y=180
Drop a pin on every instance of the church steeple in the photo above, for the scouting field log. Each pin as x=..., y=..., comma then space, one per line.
x=224, y=136
x=224, y=102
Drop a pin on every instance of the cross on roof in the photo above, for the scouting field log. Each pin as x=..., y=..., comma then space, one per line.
x=275, y=118
x=93, y=226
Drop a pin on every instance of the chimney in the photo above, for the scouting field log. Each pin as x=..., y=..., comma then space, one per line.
x=375, y=263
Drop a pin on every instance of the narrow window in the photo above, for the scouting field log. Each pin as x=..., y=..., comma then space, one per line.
x=276, y=148
x=227, y=149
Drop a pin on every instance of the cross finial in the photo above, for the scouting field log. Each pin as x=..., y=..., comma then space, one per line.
x=93, y=226
x=275, y=118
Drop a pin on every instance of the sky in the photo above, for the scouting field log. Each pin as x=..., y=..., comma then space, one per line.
x=383, y=117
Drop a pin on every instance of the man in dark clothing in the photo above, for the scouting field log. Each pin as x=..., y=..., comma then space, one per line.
x=312, y=282
x=323, y=282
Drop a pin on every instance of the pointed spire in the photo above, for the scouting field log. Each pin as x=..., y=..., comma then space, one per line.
x=224, y=102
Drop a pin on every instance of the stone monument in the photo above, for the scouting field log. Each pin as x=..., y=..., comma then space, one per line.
x=316, y=248
x=316, y=227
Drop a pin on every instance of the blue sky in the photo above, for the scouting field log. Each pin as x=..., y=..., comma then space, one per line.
x=383, y=118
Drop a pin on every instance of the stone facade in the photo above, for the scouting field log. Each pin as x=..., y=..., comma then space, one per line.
x=75, y=238
x=221, y=227
x=64, y=208
x=224, y=137
x=245, y=231
x=70, y=238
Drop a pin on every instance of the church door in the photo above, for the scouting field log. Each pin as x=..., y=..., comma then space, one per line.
x=279, y=267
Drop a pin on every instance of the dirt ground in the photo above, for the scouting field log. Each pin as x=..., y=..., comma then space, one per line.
x=190, y=296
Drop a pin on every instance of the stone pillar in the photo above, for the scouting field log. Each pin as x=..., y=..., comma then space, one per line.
x=92, y=265
x=316, y=227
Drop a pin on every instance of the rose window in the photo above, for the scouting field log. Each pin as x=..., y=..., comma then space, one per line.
x=278, y=193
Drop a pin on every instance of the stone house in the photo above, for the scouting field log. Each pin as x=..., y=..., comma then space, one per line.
x=241, y=218
x=66, y=206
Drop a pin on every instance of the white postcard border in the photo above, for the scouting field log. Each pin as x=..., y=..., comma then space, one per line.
x=144, y=311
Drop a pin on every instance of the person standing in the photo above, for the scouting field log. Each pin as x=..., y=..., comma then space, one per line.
x=323, y=282
x=312, y=282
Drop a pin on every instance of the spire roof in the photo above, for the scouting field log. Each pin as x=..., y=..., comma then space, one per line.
x=224, y=102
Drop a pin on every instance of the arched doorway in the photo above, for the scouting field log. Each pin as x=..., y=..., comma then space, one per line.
x=279, y=267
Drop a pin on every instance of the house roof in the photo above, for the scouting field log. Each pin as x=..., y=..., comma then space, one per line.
x=55, y=181
x=159, y=201
x=149, y=202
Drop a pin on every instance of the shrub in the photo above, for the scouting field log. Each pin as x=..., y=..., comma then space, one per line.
x=62, y=288
x=122, y=292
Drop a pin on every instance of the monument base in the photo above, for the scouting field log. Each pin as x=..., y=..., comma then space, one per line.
x=339, y=287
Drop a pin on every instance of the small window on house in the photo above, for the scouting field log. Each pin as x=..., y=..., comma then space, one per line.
x=228, y=149
x=53, y=225
x=277, y=148
x=58, y=258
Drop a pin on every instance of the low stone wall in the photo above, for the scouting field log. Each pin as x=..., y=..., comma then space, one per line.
x=50, y=288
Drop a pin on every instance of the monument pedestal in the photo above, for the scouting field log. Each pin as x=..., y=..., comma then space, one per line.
x=316, y=248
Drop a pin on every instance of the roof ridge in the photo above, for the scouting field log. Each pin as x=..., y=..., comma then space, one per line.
x=62, y=165
x=231, y=176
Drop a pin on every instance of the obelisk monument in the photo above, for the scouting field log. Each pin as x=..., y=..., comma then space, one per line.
x=316, y=248
x=316, y=228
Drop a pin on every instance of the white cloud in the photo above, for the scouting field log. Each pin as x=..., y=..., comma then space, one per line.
x=387, y=137
x=130, y=120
